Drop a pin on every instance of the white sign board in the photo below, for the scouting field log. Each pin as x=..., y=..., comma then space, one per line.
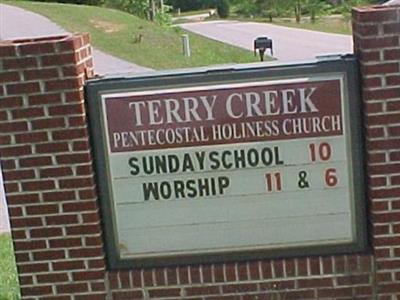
x=241, y=167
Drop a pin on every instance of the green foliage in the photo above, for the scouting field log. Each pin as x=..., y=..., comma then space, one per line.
x=163, y=17
x=247, y=8
x=141, y=8
x=271, y=8
x=315, y=8
x=138, y=8
x=346, y=6
x=9, y=288
x=295, y=8
x=223, y=8
x=265, y=8
x=186, y=5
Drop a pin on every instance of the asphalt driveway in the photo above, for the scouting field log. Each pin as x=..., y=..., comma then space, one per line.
x=288, y=43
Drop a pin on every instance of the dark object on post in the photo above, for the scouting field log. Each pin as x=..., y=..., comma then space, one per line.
x=261, y=44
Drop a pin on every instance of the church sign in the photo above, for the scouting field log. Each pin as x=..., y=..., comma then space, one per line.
x=224, y=164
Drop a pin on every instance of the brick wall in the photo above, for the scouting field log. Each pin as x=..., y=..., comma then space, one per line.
x=377, y=43
x=47, y=167
x=45, y=152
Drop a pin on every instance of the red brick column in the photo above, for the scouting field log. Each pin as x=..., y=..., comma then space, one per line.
x=47, y=167
x=376, y=42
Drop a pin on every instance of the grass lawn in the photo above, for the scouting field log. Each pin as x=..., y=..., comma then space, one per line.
x=116, y=32
x=325, y=24
x=329, y=24
x=9, y=288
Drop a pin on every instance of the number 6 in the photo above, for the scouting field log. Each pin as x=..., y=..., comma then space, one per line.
x=330, y=177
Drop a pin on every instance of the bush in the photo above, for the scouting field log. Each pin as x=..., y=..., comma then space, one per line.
x=138, y=8
x=223, y=8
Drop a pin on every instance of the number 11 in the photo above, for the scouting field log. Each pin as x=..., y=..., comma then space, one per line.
x=273, y=182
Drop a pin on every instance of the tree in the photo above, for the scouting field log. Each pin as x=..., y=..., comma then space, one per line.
x=268, y=8
x=186, y=5
x=223, y=8
x=152, y=10
x=315, y=7
x=297, y=10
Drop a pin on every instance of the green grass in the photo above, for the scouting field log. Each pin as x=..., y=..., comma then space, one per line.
x=114, y=32
x=9, y=288
x=327, y=24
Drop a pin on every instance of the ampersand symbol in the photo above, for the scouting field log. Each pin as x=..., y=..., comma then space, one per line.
x=303, y=183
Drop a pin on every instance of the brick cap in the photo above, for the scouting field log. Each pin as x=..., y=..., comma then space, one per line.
x=55, y=38
x=45, y=39
x=375, y=13
x=376, y=8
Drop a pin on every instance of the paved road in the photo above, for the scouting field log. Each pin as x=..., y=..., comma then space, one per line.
x=19, y=23
x=288, y=43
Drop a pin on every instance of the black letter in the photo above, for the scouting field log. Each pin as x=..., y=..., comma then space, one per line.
x=266, y=156
x=224, y=155
x=173, y=162
x=223, y=183
x=214, y=159
x=160, y=164
x=165, y=190
x=187, y=163
x=132, y=163
x=252, y=157
x=191, y=188
x=150, y=188
x=179, y=187
x=277, y=159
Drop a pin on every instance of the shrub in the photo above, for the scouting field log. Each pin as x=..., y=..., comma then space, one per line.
x=138, y=8
x=223, y=8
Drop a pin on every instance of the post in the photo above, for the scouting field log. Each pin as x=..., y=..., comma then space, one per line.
x=186, y=45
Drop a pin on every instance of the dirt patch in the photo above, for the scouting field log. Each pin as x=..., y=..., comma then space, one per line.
x=106, y=26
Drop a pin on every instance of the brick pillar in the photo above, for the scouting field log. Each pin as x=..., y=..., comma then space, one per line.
x=376, y=42
x=47, y=167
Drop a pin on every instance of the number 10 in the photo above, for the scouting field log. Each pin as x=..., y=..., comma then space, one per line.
x=322, y=151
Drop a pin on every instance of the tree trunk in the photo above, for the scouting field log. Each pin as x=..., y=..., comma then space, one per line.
x=313, y=15
x=162, y=6
x=297, y=11
x=152, y=10
x=297, y=14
